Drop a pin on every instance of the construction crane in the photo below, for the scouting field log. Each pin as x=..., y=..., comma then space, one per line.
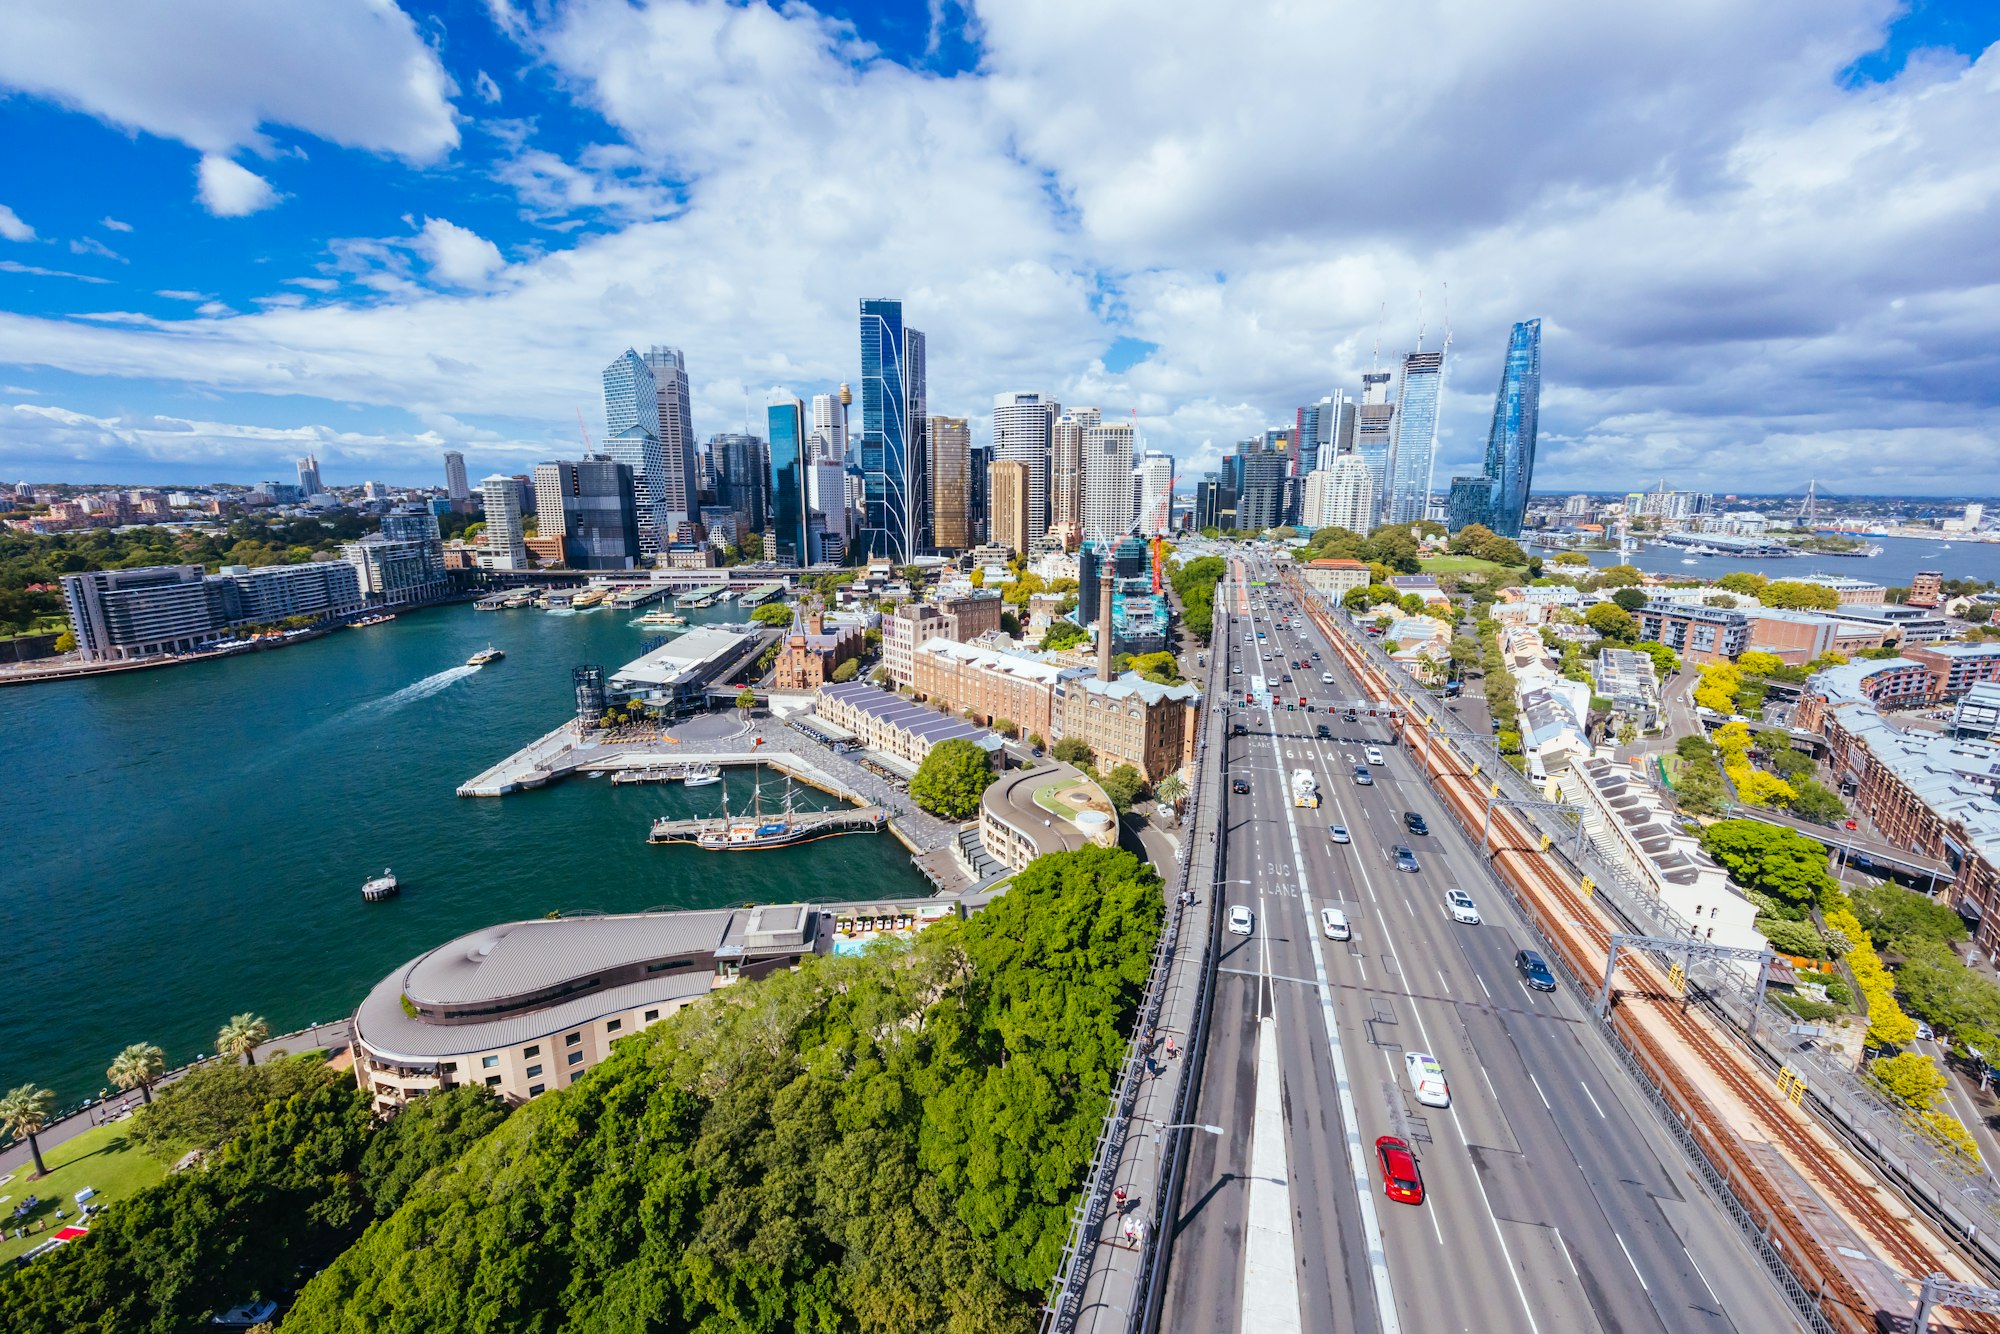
x=584, y=430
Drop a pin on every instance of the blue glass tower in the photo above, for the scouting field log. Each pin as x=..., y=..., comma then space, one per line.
x=1510, y=445
x=893, y=412
x=787, y=422
x=1415, y=448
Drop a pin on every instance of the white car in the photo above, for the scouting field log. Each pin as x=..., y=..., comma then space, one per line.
x=1427, y=1079
x=1334, y=923
x=1374, y=755
x=1338, y=833
x=1239, y=920
x=1461, y=907
x=1326, y=678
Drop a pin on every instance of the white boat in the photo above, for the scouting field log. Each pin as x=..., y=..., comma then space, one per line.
x=660, y=616
x=1689, y=560
x=703, y=776
x=380, y=887
x=485, y=655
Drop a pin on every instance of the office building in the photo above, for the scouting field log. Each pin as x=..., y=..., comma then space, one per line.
x=1374, y=429
x=586, y=506
x=1128, y=720
x=829, y=426
x=455, y=485
x=1107, y=481
x=679, y=492
x=504, y=547
x=826, y=493
x=1214, y=504
x=791, y=541
x=1510, y=443
x=1153, y=482
x=1260, y=502
x=951, y=464
x=743, y=478
x=1066, y=472
x=1024, y=432
x=978, y=498
x=894, y=405
x=1415, y=444
x=309, y=483
x=1470, y=502
x=1341, y=495
x=632, y=437
x=1009, y=487
x=121, y=614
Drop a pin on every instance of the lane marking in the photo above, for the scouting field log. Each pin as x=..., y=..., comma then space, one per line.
x=1563, y=1245
x=1500, y=1236
x=1698, y=1274
x=1593, y=1101
x=1538, y=1091
x=1482, y=986
x=1635, y=1264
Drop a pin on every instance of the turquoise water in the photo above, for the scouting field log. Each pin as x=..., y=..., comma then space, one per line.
x=188, y=843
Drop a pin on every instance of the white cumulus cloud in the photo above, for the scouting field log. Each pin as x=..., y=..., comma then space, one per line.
x=12, y=227
x=458, y=256
x=230, y=190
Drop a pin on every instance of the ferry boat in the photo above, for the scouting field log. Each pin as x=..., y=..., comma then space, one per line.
x=383, y=886
x=485, y=655
x=660, y=616
x=376, y=619
x=590, y=598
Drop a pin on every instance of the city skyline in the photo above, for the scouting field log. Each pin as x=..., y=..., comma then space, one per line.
x=431, y=239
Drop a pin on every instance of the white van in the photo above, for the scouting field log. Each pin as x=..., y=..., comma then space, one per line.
x=1333, y=922
x=1427, y=1079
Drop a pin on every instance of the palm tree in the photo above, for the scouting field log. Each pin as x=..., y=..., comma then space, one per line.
x=138, y=1066
x=23, y=1112
x=1171, y=790
x=242, y=1035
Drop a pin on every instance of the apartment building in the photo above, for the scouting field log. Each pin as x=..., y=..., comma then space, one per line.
x=1129, y=720
x=1698, y=634
x=1956, y=668
x=958, y=618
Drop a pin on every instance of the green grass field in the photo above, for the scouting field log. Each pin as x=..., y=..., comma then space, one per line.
x=102, y=1159
x=1466, y=565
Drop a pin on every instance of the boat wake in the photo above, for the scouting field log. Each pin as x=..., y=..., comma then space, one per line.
x=430, y=685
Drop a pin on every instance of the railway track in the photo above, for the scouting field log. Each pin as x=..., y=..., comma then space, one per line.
x=1653, y=1024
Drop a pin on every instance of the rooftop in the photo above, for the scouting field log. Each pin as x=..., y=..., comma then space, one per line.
x=992, y=660
x=680, y=660
x=916, y=719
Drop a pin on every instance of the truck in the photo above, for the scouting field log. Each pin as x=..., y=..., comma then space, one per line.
x=1305, y=791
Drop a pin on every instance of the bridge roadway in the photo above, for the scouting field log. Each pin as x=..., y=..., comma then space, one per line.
x=1554, y=1201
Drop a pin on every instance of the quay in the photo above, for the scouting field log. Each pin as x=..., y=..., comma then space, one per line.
x=761, y=594
x=806, y=826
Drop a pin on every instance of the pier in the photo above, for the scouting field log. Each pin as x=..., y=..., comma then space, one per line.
x=806, y=826
x=761, y=594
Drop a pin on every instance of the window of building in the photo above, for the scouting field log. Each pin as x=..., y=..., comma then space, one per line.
x=533, y=1051
x=534, y=1072
x=651, y=1015
x=572, y=1039
x=575, y=1056
x=488, y=1062
x=534, y=1090
x=613, y=1025
x=493, y=1081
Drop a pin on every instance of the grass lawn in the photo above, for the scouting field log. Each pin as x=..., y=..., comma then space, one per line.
x=1468, y=565
x=102, y=1159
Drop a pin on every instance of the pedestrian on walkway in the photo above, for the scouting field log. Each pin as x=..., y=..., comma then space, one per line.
x=1173, y=1052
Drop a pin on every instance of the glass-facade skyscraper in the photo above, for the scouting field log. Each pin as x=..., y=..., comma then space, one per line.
x=894, y=404
x=1415, y=446
x=789, y=508
x=1510, y=445
x=632, y=437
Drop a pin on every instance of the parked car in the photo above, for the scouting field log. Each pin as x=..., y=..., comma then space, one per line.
x=1405, y=859
x=1460, y=906
x=1333, y=922
x=1338, y=833
x=1427, y=1079
x=1534, y=971
x=1415, y=824
x=1240, y=920
x=1400, y=1179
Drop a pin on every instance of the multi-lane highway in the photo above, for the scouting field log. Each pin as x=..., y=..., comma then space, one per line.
x=1553, y=1202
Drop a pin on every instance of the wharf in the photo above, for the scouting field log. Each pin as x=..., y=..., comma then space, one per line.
x=706, y=598
x=761, y=594
x=630, y=599
x=806, y=826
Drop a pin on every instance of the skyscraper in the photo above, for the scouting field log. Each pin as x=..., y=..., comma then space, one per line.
x=1510, y=444
x=1374, y=428
x=978, y=501
x=1341, y=495
x=742, y=478
x=829, y=426
x=1471, y=501
x=789, y=508
x=1107, y=481
x=680, y=486
x=1410, y=457
x=505, y=549
x=1024, y=431
x=632, y=430
x=1260, y=503
x=1008, y=487
x=455, y=485
x=1066, y=468
x=309, y=484
x=951, y=464
x=893, y=403
x=1153, y=479
x=588, y=504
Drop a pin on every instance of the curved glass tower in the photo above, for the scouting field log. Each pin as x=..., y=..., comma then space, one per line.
x=893, y=408
x=1510, y=445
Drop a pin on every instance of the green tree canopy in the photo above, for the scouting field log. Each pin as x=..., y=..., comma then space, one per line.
x=772, y=613
x=1124, y=786
x=1891, y=914
x=848, y=670
x=950, y=779
x=1074, y=750
x=1770, y=859
x=1797, y=595
x=1613, y=622
x=1631, y=599
x=1393, y=547
x=216, y=1102
x=1064, y=634
x=431, y=1132
x=1615, y=576
x=1742, y=581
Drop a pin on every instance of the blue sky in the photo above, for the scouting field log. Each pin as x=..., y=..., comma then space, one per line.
x=1760, y=236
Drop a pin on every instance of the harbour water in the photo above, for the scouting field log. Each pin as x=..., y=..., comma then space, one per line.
x=1901, y=557
x=189, y=843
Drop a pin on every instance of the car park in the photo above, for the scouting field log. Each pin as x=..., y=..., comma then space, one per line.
x=1240, y=786
x=1338, y=833
x=1427, y=1079
x=1415, y=824
x=1404, y=859
x=1240, y=920
x=1400, y=1179
x=1334, y=925
x=1362, y=777
x=1534, y=971
x=1460, y=906
x=1374, y=755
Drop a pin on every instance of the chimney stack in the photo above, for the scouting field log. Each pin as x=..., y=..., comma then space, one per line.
x=1104, y=626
